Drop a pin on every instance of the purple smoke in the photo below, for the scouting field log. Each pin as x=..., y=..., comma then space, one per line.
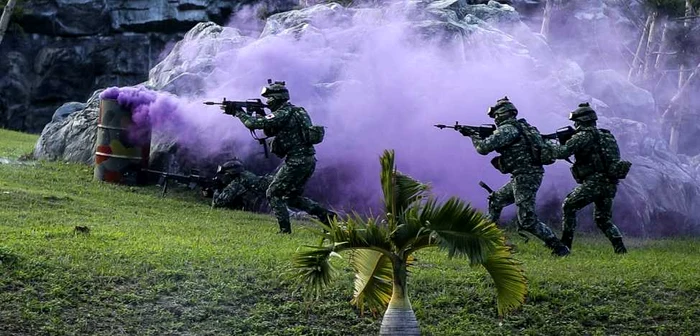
x=376, y=84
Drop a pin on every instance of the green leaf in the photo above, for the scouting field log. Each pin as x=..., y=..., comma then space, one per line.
x=373, y=279
x=509, y=279
x=400, y=191
x=461, y=230
x=313, y=270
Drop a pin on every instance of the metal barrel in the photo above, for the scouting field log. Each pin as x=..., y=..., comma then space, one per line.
x=119, y=157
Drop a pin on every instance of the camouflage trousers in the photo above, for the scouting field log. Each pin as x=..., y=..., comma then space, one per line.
x=287, y=188
x=601, y=193
x=234, y=198
x=521, y=190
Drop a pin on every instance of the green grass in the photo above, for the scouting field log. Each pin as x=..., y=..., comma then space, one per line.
x=174, y=266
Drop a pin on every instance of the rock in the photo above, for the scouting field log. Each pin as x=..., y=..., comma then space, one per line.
x=192, y=59
x=67, y=109
x=624, y=98
x=72, y=138
x=194, y=66
x=72, y=47
x=15, y=88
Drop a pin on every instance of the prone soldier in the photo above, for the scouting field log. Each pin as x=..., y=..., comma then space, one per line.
x=241, y=189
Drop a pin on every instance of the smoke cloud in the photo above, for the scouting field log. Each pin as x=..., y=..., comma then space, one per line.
x=377, y=81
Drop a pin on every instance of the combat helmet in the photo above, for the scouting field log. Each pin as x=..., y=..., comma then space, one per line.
x=276, y=90
x=234, y=166
x=502, y=107
x=584, y=113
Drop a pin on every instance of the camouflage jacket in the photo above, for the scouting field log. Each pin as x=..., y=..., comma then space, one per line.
x=249, y=182
x=286, y=124
x=508, y=141
x=584, y=149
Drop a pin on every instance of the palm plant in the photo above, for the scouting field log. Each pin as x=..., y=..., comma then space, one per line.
x=382, y=249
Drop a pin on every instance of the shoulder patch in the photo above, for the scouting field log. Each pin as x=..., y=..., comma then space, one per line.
x=269, y=116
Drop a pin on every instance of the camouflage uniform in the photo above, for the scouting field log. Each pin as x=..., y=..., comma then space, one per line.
x=594, y=188
x=526, y=176
x=286, y=123
x=246, y=191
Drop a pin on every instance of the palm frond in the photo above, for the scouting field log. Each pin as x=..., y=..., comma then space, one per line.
x=387, y=178
x=509, y=279
x=358, y=232
x=400, y=190
x=461, y=230
x=312, y=269
x=411, y=232
x=373, y=279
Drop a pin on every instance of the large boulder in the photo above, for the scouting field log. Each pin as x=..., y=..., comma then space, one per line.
x=71, y=47
x=625, y=99
x=71, y=138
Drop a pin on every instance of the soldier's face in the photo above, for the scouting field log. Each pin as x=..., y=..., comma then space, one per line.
x=503, y=117
x=274, y=103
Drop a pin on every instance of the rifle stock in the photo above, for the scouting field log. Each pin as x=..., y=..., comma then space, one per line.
x=563, y=134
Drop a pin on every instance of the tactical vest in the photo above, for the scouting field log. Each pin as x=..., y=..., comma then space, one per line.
x=290, y=138
x=601, y=156
x=518, y=156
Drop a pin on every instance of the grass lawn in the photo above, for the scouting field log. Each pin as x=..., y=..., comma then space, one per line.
x=173, y=266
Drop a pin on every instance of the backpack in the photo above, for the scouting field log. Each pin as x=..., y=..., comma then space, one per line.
x=542, y=153
x=609, y=155
x=311, y=134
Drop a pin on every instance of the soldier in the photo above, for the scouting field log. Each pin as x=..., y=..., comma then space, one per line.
x=242, y=190
x=597, y=169
x=294, y=140
x=513, y=139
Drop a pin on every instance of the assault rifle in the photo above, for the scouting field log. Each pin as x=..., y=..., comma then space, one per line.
x=249, y=106
x=562, y=134
x=208, y=184
x=483, y=131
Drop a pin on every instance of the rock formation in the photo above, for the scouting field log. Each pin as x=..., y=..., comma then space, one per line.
x=659, y=196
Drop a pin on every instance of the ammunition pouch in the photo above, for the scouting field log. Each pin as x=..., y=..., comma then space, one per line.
x=279, y=148
x=581, y=172
x=501, y=166
x=313, y=135
x=270, y=131
x=619, y=169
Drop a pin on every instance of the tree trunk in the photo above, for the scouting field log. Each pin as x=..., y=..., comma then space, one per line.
x=662, y=47
x=546, y=17
x=5, y=19
x=399, y=319
x=674, y=104
x=637, y=55
x=686, y=26
x=646, y=74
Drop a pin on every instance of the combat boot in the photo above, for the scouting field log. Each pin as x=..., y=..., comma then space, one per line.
x=567, y=238
x=285, y=227
x=327, y=217
x=558, y=249
x=618, y=246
